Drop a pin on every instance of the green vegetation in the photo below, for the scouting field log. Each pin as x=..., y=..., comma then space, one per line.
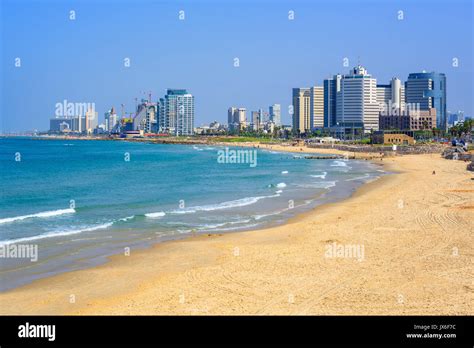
x=463, y=128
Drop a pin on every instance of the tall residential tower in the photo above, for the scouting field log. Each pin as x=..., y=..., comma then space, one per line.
x=317, y=107
x=178, y=112
x=301, y=110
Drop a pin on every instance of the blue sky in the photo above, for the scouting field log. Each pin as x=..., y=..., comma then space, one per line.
x=83, y=60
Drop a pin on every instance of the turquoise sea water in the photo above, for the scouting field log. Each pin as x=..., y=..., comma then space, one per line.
x=80, y=201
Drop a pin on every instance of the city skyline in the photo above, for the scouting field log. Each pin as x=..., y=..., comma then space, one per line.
x=313, y=108
x=65, y=59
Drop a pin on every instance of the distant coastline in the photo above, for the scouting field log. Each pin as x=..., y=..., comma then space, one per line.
x=350, y=151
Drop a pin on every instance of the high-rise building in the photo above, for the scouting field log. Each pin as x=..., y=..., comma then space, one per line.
x=255, y=121
x=356, y=101
x=163, y=122
x=331, y=87
x=428, y=90
x=110, y=119
x=391, y=97
x=317, y=107
x=92, y=120
x=178, y=112
x=230, y=116
x=301, y=110
x=275, y=114
x=79, y=124
x=265, y=116
x=398, y=93
x=242, y=116
x=236, y=118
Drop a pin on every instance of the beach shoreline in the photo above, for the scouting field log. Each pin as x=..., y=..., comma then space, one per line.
x=225, y=273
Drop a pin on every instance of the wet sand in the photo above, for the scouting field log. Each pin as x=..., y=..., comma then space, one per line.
x=416, y=229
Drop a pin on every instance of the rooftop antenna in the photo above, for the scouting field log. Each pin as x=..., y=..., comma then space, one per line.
x=358, y=60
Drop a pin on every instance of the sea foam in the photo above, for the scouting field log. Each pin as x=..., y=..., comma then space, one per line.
x=321, y=176
x=44, y=214
x=338, y=164
x=155, y=215
x=224, y=205
x=57, y=234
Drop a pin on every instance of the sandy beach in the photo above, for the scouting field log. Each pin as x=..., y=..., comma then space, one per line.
x=415, y=227
x=311, y=150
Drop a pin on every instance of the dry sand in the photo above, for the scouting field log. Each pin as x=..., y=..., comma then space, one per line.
x=305, y=149
x=416, y=229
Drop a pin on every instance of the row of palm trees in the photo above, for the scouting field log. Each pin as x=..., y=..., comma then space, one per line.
x=462, y=128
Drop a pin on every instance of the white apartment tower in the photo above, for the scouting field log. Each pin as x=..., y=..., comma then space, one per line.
x=357, y=104
x=317, y=107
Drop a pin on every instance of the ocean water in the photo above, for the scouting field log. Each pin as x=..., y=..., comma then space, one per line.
x=81, y=201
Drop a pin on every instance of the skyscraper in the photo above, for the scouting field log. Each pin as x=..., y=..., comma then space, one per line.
x=236, y=118
x=110, y=119
x=242, y=117
x=331, y=87
x=356, y=101
x=428, y=90
x=160, y=112
x=317, y=107
x=255, y=121
x=91, y=120
x=275, y=114
x=391, y=97
x=178, y=112
x=301, y=110
x=262, y=116
x=230, y=116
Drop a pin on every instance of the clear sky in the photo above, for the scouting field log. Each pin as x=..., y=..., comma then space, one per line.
x=82, y=60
